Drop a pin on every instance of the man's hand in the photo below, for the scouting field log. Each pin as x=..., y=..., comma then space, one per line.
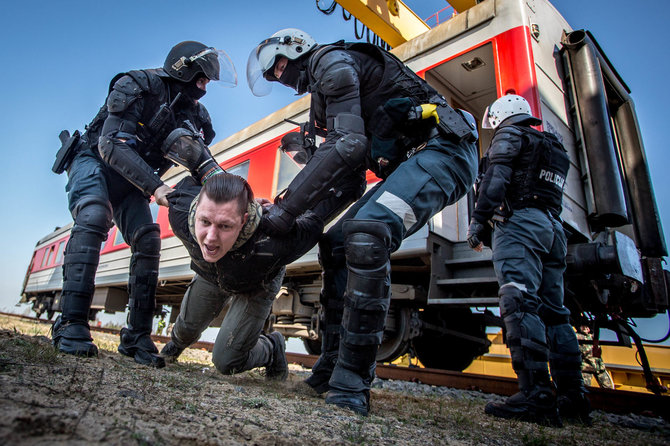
x=161, y=193
x=264, y=202
x=276, y=221
x=475, y=231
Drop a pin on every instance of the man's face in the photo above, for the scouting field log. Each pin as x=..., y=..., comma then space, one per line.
x=280, y=66
x=217, y=226
x=201, y=83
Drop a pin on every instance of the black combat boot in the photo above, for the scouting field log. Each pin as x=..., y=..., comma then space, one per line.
x=565, y=361
x=334, y=279
x=535, y=402
x=73, y=337
x=575, y=406
x=171, y=352
x=277, y=369
x=323, y=367
x=352, y=378
x=136, y=340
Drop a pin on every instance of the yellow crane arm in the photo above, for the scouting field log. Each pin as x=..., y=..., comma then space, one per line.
x=376, y=15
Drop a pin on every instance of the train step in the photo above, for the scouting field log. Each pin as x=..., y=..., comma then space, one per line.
x=465, y=281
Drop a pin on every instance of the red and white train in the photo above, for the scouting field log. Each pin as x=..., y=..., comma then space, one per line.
x=441, y=289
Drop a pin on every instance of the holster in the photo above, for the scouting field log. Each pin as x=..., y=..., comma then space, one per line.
x=67, y=151
x=453, y=125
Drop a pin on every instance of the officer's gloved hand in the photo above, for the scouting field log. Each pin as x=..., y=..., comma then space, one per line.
x=276, y=221
x=474, y=235
x=161, y=193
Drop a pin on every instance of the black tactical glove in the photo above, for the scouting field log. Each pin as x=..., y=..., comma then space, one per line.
x=299, y=147
x=475, y=235
x=276, y=221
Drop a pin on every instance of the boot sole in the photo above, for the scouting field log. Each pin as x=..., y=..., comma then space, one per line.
x=76, y=348
x=144, y=358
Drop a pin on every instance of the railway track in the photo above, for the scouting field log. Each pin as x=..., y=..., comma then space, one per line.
x=616, y=401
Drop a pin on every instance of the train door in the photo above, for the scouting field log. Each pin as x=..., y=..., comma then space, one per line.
x=468, y=82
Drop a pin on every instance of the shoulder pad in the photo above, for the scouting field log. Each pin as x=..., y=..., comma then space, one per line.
x=148, y=80
x=124, y=92
x=127, y=85
x=327, y=56
x=334, y=72
x=506, y=143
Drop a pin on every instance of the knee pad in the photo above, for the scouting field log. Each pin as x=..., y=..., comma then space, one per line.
x=526, y=337
x=93, y=217
x=94, y=214
x=367, y=243
x=146, y=239
x=368, y=292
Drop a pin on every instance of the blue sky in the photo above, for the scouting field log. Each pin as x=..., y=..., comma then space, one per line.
x=60, y=56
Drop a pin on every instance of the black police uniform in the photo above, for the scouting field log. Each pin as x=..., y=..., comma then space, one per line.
x=116, y=168
x=525, y=174
x=366, y=101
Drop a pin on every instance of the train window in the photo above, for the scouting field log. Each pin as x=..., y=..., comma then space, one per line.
x=241, y=169
x=288, y=169
x=47, y=256
x=59, y=252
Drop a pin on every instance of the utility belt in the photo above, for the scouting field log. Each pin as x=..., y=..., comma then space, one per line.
x=504, y=212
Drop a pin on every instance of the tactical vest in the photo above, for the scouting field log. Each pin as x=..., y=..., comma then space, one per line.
x=397, y=80
x=154, y=92
x=539, y=172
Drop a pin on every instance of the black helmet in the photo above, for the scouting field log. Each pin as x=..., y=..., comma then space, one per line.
x=189, y=58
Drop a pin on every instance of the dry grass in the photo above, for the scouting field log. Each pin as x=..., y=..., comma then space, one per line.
x=58, y=399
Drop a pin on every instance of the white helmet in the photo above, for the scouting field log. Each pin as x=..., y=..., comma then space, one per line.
x=504, y=107
x=290, y=42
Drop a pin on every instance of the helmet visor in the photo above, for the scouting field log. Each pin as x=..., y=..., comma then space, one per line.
x=260, y=60
x=486, y=123
x=217, y=66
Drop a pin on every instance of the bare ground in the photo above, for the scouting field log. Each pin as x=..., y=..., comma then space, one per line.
x=51, y=398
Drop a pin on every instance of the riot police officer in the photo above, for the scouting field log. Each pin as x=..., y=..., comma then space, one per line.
x=113, y=169
x=521, y=191
x=375, y=113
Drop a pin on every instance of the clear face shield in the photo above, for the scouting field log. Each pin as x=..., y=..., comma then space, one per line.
x=486, y=123
x=261, y=59
x=216, y=65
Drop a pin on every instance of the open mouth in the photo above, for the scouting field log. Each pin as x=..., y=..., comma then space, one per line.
x=210, y=250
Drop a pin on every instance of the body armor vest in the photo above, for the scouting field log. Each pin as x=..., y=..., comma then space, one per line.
x=155, y=92
x=394, y=81
x=539, y=172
